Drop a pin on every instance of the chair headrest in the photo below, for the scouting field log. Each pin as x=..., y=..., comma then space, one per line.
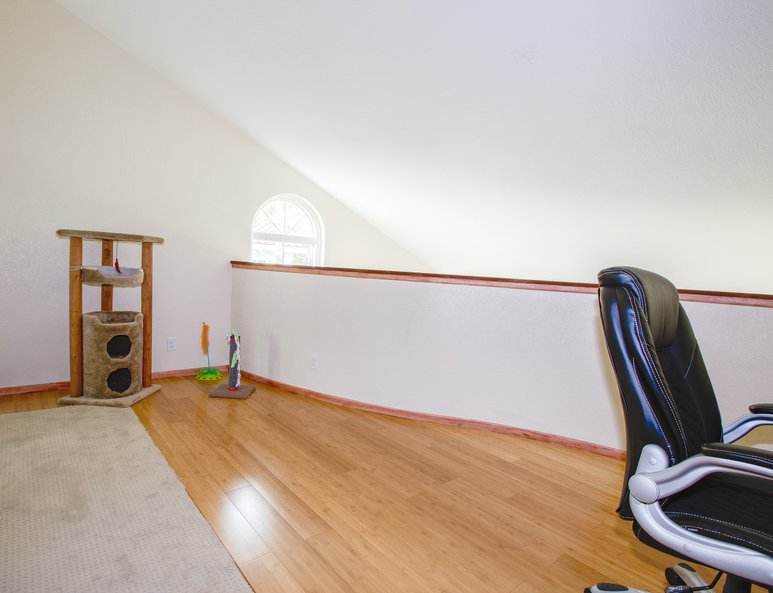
x=657, y=297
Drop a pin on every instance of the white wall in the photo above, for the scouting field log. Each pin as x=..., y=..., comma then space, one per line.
x=92, y=139
x=528, y=359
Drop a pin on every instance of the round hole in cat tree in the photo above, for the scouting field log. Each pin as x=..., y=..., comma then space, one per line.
x=119, y=346
x=119, y=380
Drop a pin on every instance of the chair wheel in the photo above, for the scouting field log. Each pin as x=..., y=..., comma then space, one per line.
x=606, y=588
x=673, y=578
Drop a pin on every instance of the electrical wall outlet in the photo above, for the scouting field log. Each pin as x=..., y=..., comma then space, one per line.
x=313, y=362
x=171, y=344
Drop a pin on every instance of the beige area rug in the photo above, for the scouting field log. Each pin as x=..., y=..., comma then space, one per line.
x=89, y=504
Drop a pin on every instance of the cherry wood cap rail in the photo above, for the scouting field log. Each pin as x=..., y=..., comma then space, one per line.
x=437, y=419
x=700, y=296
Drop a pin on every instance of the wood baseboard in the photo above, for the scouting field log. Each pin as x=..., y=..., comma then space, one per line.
x=437, y=419
x=20, y=389
x=57, y=385
x=350, y=403
x=186, y=372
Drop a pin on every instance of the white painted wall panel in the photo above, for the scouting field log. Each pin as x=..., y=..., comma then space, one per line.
x=528, y=359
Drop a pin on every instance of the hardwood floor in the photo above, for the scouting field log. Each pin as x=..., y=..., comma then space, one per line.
x=312, y=497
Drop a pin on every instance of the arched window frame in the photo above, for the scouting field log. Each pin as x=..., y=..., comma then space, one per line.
x=317, y=242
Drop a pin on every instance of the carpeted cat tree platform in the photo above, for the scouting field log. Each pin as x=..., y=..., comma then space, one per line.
x=110, y=351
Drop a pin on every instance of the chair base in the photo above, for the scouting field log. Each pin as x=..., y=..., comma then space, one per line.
x=681, y=577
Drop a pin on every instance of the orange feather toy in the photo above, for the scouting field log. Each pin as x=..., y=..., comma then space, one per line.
x=205, y=340
x=208, y=374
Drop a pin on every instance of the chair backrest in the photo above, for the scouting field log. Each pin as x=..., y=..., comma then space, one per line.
x=666, y=392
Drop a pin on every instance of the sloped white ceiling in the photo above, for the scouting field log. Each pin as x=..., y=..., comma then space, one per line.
x=502, y=137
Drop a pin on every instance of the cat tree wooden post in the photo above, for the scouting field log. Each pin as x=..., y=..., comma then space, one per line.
x=147, y=311
x=107, y=289
x=76, y=312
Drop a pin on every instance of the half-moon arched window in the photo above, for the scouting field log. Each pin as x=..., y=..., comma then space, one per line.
x=287, y=230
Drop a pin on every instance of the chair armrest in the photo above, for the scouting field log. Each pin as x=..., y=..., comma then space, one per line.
x=761, y=408
x=759, y=457
x=762, y=415
x=655, y=480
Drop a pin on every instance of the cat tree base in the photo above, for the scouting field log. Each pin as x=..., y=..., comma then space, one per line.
x=111, y=402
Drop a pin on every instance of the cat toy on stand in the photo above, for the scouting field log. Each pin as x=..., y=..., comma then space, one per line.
x=235, y=389
x=207, y=374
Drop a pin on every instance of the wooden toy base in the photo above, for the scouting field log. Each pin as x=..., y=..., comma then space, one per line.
x=242, y=392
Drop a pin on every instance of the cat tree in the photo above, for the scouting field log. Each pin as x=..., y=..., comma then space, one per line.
x=110, y=351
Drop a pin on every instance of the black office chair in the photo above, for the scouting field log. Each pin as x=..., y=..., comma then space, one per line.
x=689, y=492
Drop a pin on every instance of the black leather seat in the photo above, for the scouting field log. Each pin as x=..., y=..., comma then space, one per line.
x=690, y=492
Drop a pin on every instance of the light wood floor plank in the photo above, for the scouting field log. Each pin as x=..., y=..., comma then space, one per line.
x=238, y=536
x=268, y=575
